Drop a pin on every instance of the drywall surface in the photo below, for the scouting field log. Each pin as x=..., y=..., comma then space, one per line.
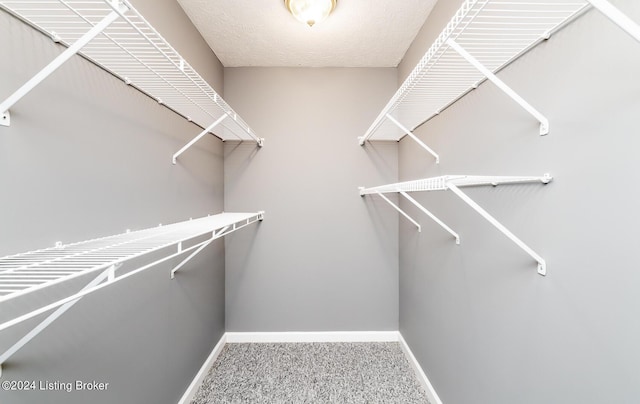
x=324, y=259
x=86, y=156
x=168, y=18
x=484, y=325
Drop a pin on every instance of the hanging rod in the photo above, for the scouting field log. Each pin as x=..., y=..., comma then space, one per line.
x=28, y=273
x=116, y=37
x=454, y=183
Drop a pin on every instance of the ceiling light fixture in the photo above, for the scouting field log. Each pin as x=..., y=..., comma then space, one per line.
x=310, y=12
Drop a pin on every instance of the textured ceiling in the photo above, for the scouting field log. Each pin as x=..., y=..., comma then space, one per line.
x=359, y=33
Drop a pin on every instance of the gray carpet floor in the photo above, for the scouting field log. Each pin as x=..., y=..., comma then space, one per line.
x=375, y=372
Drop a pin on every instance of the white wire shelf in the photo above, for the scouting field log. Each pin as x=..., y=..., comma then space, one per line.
x=24, y=274
x=29, y=272
x=454, y=183
x=483, y=37
x=443, y=183
x=126, y=45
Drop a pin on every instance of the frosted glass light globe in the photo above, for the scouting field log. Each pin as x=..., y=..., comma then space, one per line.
x=310, y=12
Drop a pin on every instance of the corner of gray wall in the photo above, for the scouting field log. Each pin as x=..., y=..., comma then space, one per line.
x=484, y=325
x=324, y=259
x=87, y=156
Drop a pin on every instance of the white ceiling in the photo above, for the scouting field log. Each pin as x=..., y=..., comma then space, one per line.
x=359, y=33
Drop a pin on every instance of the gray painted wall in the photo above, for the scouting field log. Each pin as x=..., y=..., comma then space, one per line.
x=324, y=259
x=485, y=327
x=87, y=156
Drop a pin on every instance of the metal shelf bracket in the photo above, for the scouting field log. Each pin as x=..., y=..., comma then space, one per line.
x=106, y=276
x=617, y=17
x=200, y=136
x=128, y=47
x=432, y=216
x=453, y=183
x=496, y=32
x=30, y=272
x=396, y=207
x=542, y=265
x=544, y=122
x=414, y=137
x=214, y=236
x=5, y=119
x=59, y=61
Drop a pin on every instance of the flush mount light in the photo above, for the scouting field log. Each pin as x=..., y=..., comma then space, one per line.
x=310, y=12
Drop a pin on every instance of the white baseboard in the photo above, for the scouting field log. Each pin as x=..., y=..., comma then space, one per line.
x=202, y=373
x=323, y=336
x=422, y=377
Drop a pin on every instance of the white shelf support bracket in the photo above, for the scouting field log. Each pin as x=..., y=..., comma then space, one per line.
x=432, y=216
x=542, y=266
x=104, y=275
x=57, y=62
x=544, y=122
x=617, y=17
x=200, y=136
x=5, y=119
x=400, y=211
x=414, y=137
x=214, y=236
x=396, y=207
x=190, y=256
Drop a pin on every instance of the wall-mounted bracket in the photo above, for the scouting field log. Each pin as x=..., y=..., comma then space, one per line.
x=28, y=273
x=216, y=234
x=432, y=216
x=414, y=137
x=453, y=182
x=190, y=256
x=542, y=265
x=108, y=275
x=60, y=60
x=544, y=122
x=5, y=119
x=396, y=207
x=131, y=50
x=200, y=136
x=617, y=17
x=497, y=33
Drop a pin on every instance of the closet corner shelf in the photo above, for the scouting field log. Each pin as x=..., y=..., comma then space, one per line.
x=101, y=259
x=116, y=37
x=454, y=183
x=483, y=37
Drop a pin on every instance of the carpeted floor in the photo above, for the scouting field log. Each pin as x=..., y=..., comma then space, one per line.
x=375, y=372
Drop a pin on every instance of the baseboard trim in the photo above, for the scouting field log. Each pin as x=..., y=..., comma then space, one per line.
x=202, y=373
x=323, y=336
x=422, y=377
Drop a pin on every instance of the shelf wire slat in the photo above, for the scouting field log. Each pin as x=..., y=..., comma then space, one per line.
x=454, y=183
x=482, y=38
x=31, y=272
x=116, y=37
